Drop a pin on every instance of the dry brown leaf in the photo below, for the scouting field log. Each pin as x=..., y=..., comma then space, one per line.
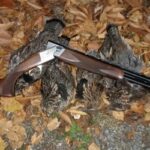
x=137, y=107
x=65, y=117
x=97, y=131
x=35, y=139
x=6, y=26
x=67, y=128
x=77, y=12
x=117, y=9
x=18, y=117
x=112, y=14
x=5, y=126
x=5, y=38
x=80, y=2
x=119, y=115
x=135, y=44
x=139, y=26
x=130, y=135
x=16, y=136
x=76, y=112
x=36, y=102
x=112, y=2
x=87, y=26
x=2, y=144
x=93, y=45
x=5, y=42
x=135, y=16
x=35, y=6
x=146, y=70
x=53, y=124
x=147, y=38
x=4, y=34
x=147, y=116
x=101, y=30
x=116, y=16
x=6, y=3
x=134, y=3
x=39, y=120
x=147, y=107
x=10, y=104
x=93, y=146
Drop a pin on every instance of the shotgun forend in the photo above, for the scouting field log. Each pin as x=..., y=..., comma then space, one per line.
x=88, y=63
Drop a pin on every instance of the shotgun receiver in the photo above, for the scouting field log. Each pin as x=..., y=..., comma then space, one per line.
x=73, y=57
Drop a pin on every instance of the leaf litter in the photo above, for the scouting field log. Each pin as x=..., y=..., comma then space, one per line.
x=86, y=21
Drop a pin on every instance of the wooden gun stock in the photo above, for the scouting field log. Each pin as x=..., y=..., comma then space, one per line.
x=7, y=85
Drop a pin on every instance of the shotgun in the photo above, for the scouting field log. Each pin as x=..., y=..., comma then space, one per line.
x=73, y=57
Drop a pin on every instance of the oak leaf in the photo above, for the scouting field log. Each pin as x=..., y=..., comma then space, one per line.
x=6, y=3
x=93, y=146
x=10, y=104
x=65, y=117
x=35, y=139
x=147, y=117
x=2, y=144
x=119, y=115
x=16, y=136
x=53, y=124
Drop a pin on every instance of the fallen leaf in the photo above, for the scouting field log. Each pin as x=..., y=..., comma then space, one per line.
x=147, y=107
x=147, y=116
x=18, y=117
x=6, y=26
x=6, y=3
x=112, y=2
x=35, y=6
x=16, y=136
x=77, y=12
x=53, y=124
x=35, y=139
x=5, y=126
x=5, y=34
x=2, y=144
x=5, y=38
x=65, y=117
x=147, y=38
x=77, y=112
x=87, y=26
x=93, y=146
x=93, y=45
x=5, y=42
x=130, y=135
x=139, y=26
x=10, y=104
x=67, y=128
x=119, y=115
x=97, y=131
x=76, y=116
x=137, y=107
x=134, y=3
x=135, y=16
